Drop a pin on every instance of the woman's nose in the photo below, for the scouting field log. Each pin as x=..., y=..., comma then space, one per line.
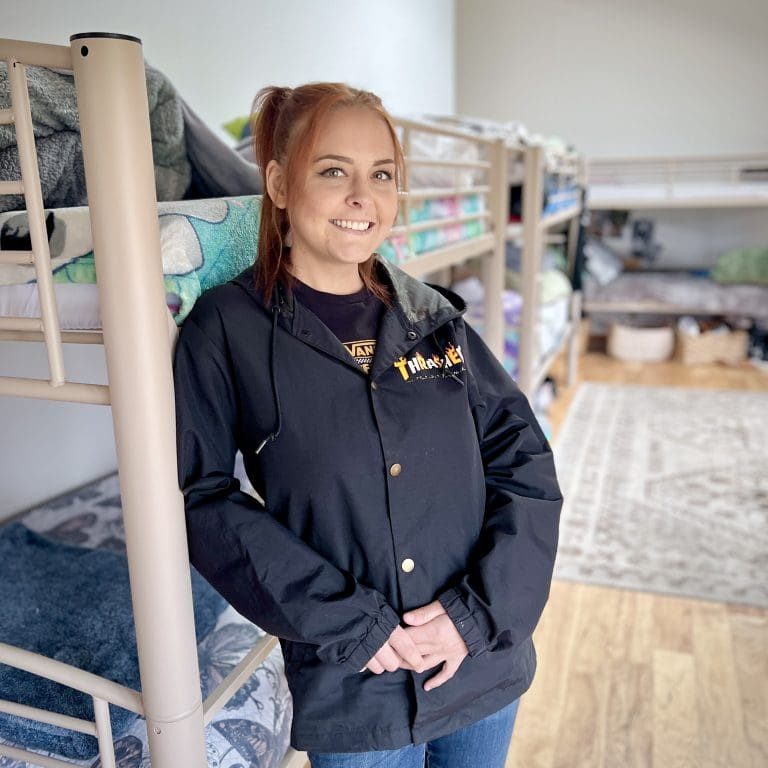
x=359, y=194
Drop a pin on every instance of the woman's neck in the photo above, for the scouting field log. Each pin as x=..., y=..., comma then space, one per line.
x=341, y=281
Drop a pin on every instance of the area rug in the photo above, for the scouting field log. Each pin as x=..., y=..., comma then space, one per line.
x=666, y=491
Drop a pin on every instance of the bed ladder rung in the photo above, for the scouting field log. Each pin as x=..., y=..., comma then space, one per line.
x=17, y=257
x=41, y=389
x=234, y=680
x=6, y=116
x=48, y=717
x=11, y=187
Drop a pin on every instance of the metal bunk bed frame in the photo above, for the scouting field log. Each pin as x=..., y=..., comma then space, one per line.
x=532, y=232
x=114, y=119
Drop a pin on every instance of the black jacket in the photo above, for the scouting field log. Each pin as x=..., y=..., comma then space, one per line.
x=433, y=457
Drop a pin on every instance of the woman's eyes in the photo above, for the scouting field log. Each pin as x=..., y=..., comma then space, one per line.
x=337, y=173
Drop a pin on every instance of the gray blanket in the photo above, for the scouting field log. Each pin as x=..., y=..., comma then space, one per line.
x=57, y=136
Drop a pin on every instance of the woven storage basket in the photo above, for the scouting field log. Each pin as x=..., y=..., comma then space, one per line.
x=712, y=347
x=641, y=344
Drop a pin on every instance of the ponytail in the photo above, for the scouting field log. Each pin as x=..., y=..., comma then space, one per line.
x=274, y=224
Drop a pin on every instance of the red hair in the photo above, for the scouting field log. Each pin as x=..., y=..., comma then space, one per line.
x=285, y=123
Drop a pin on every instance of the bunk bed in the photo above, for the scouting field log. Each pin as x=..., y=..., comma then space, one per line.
x=541, y=204
x=141, y=296
x=539, y=224
x=675, y=183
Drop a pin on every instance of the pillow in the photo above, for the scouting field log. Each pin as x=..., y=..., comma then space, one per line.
x=601, y=262
x=742, y=265
x=238, y=128
x=71, y=604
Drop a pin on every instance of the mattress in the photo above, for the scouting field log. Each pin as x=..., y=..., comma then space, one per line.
x=680, y=194
x=682, y=292
x=254, y=727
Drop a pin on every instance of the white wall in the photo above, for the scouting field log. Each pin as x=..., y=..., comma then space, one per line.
x=628, y=78
x=620, y=77
x=47, y=447
x=217, y=55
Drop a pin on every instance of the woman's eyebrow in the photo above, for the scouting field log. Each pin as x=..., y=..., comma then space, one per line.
x=342, y=159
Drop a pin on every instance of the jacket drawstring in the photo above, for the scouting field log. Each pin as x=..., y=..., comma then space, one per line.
x=273, y=375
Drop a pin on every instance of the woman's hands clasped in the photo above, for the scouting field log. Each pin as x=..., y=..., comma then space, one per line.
x=431, y=637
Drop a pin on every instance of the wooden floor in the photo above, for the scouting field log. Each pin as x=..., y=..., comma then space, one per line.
x=629, y=679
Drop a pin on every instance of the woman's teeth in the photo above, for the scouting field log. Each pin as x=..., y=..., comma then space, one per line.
x=359, y=226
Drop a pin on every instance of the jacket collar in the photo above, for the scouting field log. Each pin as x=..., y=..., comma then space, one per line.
x=420, y=307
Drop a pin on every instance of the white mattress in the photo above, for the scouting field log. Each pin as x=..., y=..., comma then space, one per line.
x=678, y=195
x=78, y=304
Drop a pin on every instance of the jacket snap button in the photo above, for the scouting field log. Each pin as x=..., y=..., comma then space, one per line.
x=395, y=470
x=412, y=335
x=408, y=565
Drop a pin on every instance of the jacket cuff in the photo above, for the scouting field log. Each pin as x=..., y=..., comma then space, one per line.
x=383, y=626
x=465, y=622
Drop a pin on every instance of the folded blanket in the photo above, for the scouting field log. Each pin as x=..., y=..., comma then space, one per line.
x=72, y=604
x=203, y=243
x=400, y=248
x=59, y=148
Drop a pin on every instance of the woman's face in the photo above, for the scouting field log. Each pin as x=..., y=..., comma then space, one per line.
x=349, y=199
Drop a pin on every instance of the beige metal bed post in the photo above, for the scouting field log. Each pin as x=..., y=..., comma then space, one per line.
x=494, y=265
x=532, y=243
x=114, y=121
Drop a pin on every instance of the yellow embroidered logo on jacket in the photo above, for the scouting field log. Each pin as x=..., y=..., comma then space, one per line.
x=363, y=351
x=416, y=365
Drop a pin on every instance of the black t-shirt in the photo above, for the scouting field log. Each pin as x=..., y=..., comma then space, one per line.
x=354, y=318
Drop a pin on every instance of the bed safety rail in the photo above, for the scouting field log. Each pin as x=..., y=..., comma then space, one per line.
x=17, y=55
x=103, y=692
x=714, y=181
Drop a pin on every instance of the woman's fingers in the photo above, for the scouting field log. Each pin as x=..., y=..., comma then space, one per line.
x=402, y=644
x=424, y=614
x=389, y=659
x=443, y=676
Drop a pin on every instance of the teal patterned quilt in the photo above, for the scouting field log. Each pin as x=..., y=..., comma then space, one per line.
x=203, y=243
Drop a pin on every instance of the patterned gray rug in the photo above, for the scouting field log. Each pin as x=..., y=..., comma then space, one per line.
x=666, y=491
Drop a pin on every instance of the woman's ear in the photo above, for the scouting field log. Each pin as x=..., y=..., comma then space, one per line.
x=275, y=183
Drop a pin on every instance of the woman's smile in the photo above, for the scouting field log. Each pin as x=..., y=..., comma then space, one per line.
x=353, y=226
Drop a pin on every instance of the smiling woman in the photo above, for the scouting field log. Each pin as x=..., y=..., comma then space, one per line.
x=404, y=547
x=333, y=166
x=344, y=205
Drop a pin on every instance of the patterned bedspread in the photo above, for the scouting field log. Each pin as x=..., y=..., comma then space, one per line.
x=253, y=730
x=202, y=243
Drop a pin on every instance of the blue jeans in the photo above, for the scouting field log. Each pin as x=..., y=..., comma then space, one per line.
x=483, y=744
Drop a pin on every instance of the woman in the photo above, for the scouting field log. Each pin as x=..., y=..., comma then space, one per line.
x=404, y=551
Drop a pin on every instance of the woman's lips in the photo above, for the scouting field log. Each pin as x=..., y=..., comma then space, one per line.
x=352, y=226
